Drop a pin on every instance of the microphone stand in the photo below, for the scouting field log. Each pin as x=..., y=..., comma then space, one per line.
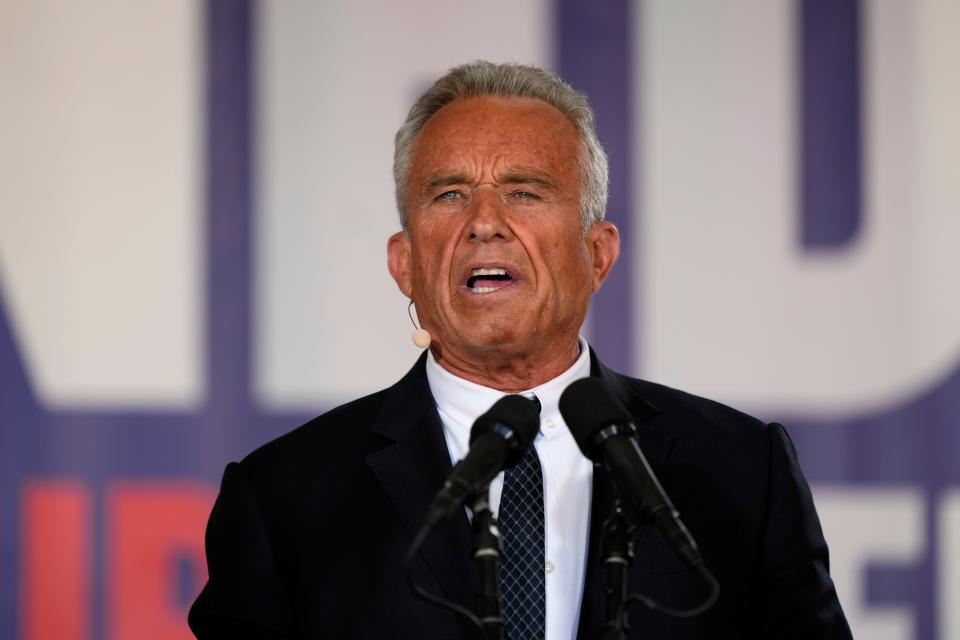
x=486, y=556
x=616, y=546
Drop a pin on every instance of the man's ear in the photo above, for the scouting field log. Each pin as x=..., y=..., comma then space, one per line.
x=603, y=240
x=398, y=261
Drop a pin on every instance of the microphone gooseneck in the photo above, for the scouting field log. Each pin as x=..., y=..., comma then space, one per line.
x=604, y=431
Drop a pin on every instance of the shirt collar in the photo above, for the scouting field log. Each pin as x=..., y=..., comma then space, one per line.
x=463, y=401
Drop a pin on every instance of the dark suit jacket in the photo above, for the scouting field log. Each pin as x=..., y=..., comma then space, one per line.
x=308, y=534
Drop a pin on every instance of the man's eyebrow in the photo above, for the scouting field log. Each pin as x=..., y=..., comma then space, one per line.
x=517, y=175
x=525, y=175
x=443, y=180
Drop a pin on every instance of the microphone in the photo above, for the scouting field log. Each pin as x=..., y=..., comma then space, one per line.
x=604, y=431
x=421, y=337
x=499, y=439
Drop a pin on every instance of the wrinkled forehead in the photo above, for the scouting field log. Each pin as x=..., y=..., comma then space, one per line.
x=493, y=128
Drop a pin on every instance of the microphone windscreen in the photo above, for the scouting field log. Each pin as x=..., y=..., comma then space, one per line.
x=587, y=406
x=520, y=414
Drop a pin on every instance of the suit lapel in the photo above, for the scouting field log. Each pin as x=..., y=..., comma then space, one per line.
x=413, y=469
x=656, y=447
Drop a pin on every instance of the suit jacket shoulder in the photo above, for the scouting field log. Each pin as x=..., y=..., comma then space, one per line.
x=317, y=446
x=308, y=534
x=739, y=489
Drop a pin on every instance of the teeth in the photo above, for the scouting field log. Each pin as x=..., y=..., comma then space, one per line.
x=488, y=272
x=483, y=289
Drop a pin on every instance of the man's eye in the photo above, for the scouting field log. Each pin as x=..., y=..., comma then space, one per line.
x=450, y=196
x=525, y=195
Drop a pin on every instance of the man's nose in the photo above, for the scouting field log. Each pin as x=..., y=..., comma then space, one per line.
x=488, y=217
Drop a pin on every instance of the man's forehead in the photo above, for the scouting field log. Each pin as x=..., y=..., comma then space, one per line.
x=518, y=135
x=492, y=115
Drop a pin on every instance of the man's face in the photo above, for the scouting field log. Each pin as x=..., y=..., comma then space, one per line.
x=495, y=257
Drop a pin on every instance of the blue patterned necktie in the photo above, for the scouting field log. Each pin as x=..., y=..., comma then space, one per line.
x=522, y=579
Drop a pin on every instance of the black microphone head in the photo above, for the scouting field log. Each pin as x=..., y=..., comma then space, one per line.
x=588, y=407
x=514, y=418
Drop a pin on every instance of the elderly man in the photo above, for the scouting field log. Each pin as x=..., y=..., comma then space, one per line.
x=501, y=187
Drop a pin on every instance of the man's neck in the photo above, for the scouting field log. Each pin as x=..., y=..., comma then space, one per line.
x=509, y=373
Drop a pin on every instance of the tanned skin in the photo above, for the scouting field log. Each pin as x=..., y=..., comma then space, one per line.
x=494, y=184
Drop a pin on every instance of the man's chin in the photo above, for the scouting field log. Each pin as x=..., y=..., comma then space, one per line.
x=483, y=344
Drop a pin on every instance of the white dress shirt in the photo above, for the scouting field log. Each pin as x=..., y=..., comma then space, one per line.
x=567, y=479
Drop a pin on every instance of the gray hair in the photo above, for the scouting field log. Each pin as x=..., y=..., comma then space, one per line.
x=483, y=78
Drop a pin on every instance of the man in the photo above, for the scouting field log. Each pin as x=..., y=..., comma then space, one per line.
x=501, y=188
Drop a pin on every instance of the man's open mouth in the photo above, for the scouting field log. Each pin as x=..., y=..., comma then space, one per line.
x=488, y=280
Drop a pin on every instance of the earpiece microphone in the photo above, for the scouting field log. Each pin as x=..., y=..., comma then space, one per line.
x=421, y=337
